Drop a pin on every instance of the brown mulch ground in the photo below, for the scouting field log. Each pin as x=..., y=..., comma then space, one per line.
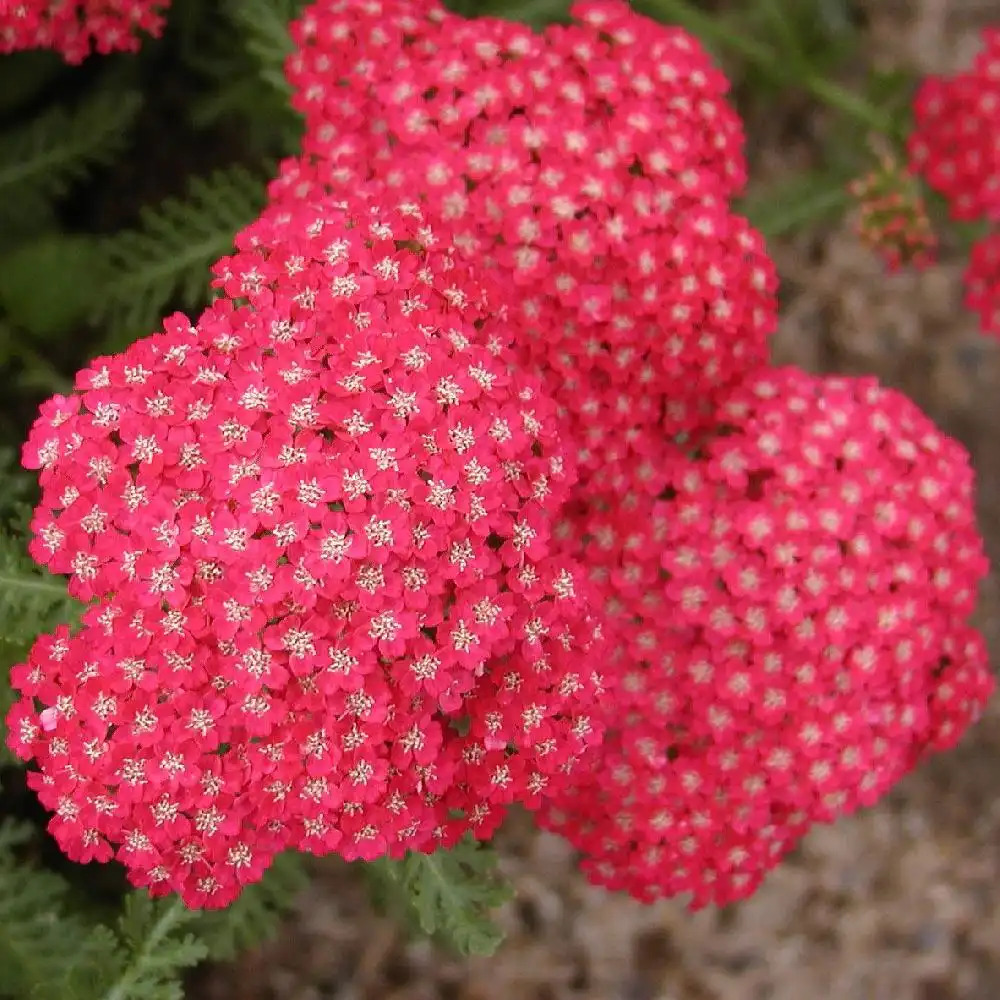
x=901, y=902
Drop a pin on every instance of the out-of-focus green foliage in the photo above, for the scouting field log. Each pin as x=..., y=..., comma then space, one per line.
x=448, y=895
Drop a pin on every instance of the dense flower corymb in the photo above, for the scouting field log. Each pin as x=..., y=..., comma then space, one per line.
x=789, y=618
x=954, y=141
x=590, y=165
x=359, y=73
x=75, y=28
x=982, y=282
x=323, y=514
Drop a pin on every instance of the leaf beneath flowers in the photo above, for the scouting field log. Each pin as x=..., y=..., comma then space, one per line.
x=448, y=895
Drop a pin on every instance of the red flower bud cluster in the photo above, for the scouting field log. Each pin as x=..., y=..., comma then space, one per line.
x=892, y=219
x=76, y=28
x=317, y=528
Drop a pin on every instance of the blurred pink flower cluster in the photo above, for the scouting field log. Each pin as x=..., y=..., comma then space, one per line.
x=955, y=146
x=76, y=28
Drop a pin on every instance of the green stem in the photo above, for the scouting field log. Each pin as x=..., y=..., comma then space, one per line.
x=848, y=103
x=787, y=216
x=787, y=38
x=39, y=372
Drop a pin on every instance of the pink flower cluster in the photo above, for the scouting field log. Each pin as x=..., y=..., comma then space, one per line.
x=789, y=612
x=955, y=145
x=982, y=282
x=76, y=28
x=474, y=487
x=317, y=530
x=590, y=164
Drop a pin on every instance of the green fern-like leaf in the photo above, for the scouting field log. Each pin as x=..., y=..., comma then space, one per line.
x=49, y=951
x=20, y=221
x=16, y=484
x=158, y=946
x=31, y=599
x=263, y=25
x=447, y=895
x=166, y=260
x=246, y=80
x=255, y=916
x=46, y=284
x=37, y=375
x=10, y=655
x=39, y=161
x=46, y=952
x=268, y=123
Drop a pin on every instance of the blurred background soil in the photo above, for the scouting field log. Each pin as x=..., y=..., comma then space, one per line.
x=901, y=902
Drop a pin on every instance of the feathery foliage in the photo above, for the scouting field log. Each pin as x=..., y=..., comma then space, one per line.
x=48, y=952
x=41, y=160
x=263, y=25
x=448, y=895
x=44, y=948
x=166, y=260
x=32, y=600
x=16, y=485
x=70, y=270
x=156, y=943
x=247, y=82
x=10, y=653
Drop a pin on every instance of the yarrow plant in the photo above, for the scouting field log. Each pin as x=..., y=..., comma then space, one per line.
x=474, y=486
x=76, y=28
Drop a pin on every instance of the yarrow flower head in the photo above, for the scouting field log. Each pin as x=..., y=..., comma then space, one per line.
x=982, y=282
x=954, y=141
x=789, y=620
x=316, y=526
x=655, y=94
x=590, y=165
x=76, y=28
